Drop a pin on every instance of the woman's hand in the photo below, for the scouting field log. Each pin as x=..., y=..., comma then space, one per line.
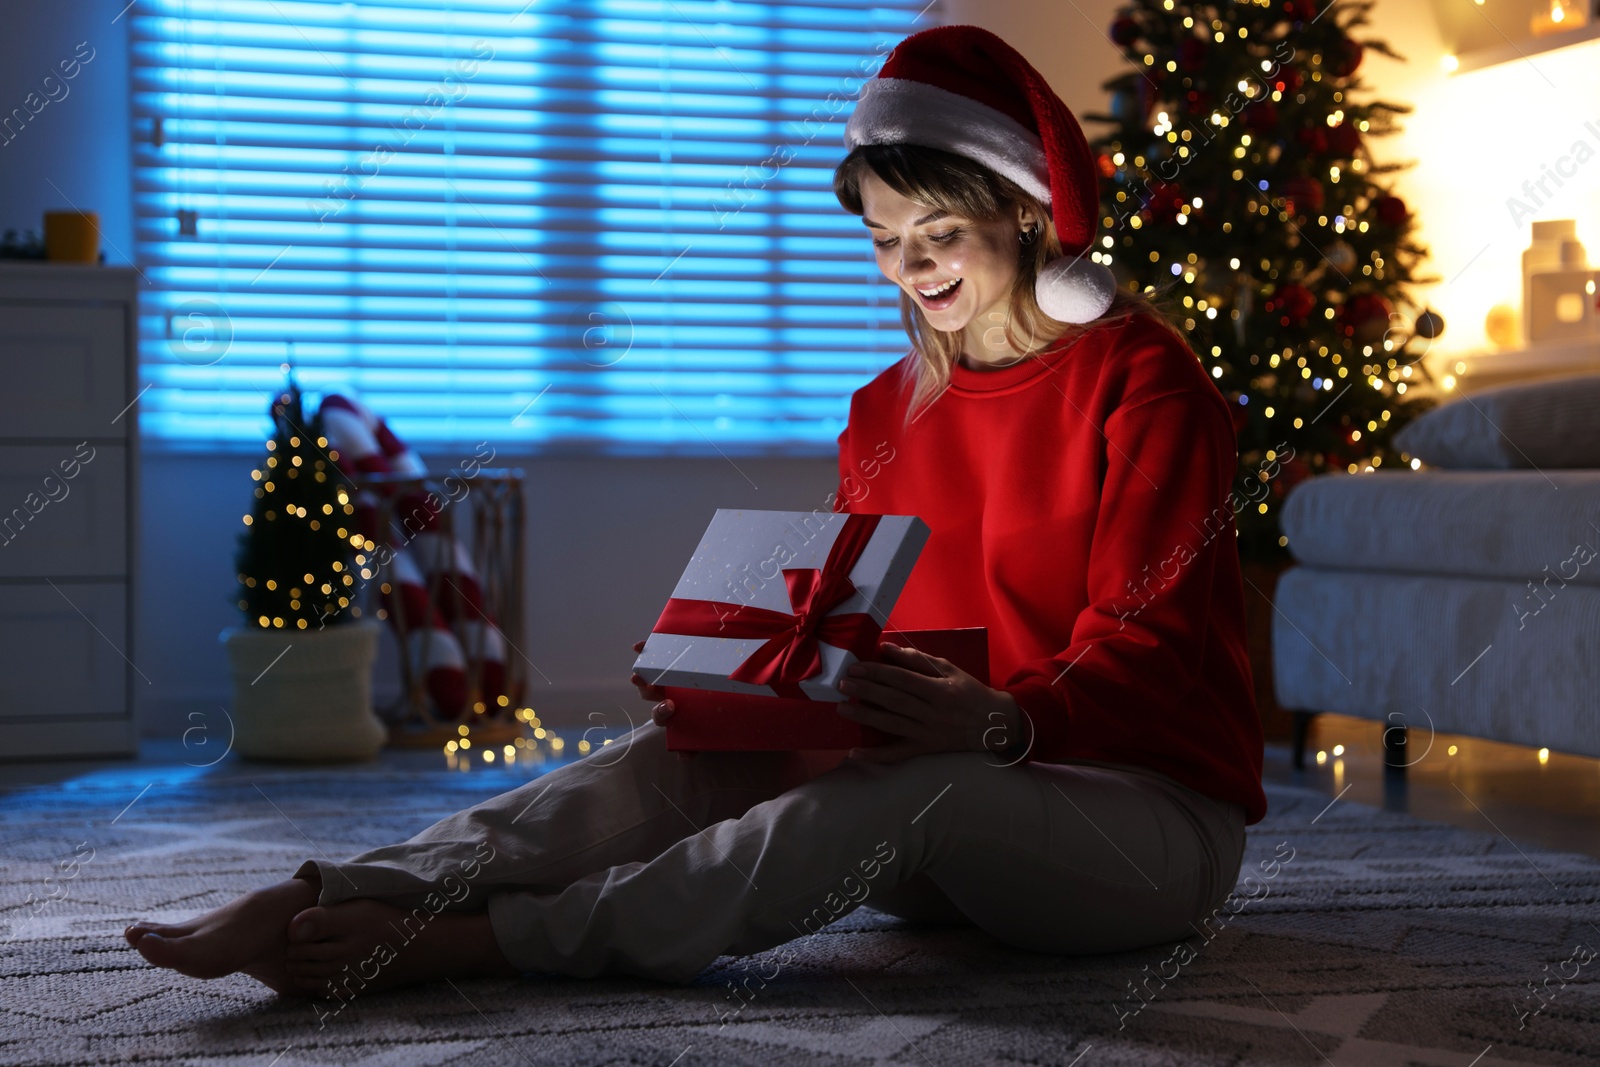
x=662, y=711
x=930, y=705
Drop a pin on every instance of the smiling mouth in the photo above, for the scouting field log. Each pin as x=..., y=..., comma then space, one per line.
x=940, y=296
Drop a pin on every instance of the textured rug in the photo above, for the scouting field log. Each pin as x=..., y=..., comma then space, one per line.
x=1364, y=938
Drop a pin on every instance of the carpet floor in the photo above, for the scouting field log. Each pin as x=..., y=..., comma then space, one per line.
x=1367, y=938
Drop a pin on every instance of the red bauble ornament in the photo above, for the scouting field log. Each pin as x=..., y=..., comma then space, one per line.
x=1300, y=10
x=1124, y=31
x=1315, y=138
x=1305, y=194
x=1191, y=54
x=1199, y=100
x=1107, y=168
x=1292, y=303
x=1347, y=59
x=1391, y=210
x=1365, y=317
x=1261, y=117
x=1165, y=201
x=1343, y=140
x=1289, y=81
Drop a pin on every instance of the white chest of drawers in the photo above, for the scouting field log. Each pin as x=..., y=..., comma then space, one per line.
x=68, y=510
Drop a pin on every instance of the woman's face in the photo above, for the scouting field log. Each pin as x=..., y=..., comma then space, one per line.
x=958, y=270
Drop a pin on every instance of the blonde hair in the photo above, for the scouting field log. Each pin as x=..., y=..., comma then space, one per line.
x=947, y=182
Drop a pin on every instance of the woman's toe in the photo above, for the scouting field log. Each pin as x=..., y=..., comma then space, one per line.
x=168, y=930
x=313, y=951
x=155, y=949
x=310, y=925
x=310, y=987
x=309, y=969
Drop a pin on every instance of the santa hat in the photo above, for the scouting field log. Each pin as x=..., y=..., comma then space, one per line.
x=963, y=90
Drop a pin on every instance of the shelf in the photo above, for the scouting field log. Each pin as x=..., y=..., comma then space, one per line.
x=1510, y=51
x=1488, y=370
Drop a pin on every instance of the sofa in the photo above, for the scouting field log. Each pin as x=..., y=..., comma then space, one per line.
x=1462, y=597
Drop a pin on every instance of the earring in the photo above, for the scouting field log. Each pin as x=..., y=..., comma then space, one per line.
x=1028, y=235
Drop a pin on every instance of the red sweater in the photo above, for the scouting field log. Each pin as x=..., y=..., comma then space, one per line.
x=1080, y=508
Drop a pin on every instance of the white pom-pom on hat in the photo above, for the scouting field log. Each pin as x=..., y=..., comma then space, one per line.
x=963, y=90
x=1073, y=289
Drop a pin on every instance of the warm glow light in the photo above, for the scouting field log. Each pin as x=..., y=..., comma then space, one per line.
x=1453, y=750
x=1338, y=750
x=1449, y=64
x=1544, y=755
x=1448, y=113
x=1322, y=757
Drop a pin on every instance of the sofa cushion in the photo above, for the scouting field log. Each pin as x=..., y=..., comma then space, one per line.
x=1544, y=425
x=1486, y=524
x=1446, y=655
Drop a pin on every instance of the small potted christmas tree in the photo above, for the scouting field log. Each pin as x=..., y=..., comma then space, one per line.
x=302, y=661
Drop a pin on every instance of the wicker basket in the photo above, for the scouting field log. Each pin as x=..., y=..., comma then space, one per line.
x=304, y=695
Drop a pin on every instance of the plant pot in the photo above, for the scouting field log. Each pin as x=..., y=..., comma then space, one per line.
x=304, y=695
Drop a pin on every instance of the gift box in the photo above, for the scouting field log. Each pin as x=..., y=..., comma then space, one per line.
x=780, y=603
x=706, y=720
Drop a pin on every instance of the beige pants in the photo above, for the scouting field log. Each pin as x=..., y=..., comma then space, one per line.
x=635, y=861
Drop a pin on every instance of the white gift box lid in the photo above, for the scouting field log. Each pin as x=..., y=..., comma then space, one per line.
x=740, y=561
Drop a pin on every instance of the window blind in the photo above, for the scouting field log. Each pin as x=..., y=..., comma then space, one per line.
x=599, y=227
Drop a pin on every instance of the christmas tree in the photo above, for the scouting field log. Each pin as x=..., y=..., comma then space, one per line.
x=296, y=552
x=1238, y=188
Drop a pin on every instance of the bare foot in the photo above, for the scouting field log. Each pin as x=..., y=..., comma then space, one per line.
x=246, y=934
x=361, y=945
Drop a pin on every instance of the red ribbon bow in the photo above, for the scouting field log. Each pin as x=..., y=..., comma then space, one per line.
x=790, y=652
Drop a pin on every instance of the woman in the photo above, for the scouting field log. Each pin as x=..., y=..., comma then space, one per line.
x=1073, y=462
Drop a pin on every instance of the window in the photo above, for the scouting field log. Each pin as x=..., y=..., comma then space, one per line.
x=603, y=226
